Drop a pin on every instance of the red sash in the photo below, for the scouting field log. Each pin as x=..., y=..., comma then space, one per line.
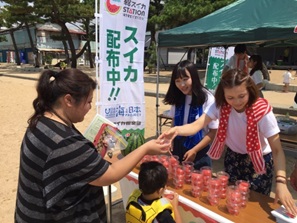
x=253, y=146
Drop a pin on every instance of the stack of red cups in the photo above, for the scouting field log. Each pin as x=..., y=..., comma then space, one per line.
x=244, y=188
x=214, y=191
x=173, y=161
x=196, y=183
x=206, y=172
x=178, y=175
x=234, y=200
x=188, y=166
x=224, y=178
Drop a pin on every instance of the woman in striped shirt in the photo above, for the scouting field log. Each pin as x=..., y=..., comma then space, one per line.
x=61, y=174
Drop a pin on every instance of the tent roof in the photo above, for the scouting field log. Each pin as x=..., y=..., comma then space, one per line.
x=254, y=22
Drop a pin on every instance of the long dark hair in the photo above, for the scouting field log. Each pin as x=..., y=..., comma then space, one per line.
x=174, y=96
x=259, y=64
x=52, y=85
x=232, y=78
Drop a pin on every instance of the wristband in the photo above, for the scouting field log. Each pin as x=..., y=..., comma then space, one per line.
x=280, y=181
x=281, y=177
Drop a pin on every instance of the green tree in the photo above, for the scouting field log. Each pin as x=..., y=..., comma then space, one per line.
x=21, y=13
x=152, y=60
x=59, y=12
x=176, y=13
x=169, y=14
x=62, y=12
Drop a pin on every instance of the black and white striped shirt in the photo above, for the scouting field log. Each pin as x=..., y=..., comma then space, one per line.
x=57, y=163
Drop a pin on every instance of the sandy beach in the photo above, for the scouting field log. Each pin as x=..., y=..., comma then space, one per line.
x=16, y=107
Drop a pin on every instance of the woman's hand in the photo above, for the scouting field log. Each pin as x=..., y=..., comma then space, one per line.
x=283, y=195
x=190, y=155
x=156, y=146
x=168, y=136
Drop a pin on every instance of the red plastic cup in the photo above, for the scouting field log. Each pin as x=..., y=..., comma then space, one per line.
x=213, y=199
x=178, y=184
x=146, y=158
x=196, y=192
x=155, y=158
x=233, y=208
x=214, y=184
x=224, y=177
x=169, y=194
x=197, y=179
x=206, y=171
x=243, y=185
x=234, y=195
x=188, y=166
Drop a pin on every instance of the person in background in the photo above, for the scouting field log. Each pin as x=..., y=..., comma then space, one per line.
x=239, y=60
x=61, y=173
x=255, y=64
x=287, y=77
x=152, y=180
x=188, y=100
x=250, y=131
x=286, y=55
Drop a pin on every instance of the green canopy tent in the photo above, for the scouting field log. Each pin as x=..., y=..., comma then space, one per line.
x=253, y=22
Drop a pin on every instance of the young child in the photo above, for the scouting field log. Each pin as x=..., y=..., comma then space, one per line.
x=250, y=131
x=287, y=77
x=152, y=180
x=188, y=99
x=256, y=65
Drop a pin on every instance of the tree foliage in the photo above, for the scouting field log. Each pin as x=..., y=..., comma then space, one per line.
x=163, y=14
x=176, y=13
x=59, y=12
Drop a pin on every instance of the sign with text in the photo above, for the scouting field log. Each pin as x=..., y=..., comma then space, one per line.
x=215, y=64
x=122, y=39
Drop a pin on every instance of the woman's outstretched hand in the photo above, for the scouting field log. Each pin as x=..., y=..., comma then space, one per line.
x=168, y=136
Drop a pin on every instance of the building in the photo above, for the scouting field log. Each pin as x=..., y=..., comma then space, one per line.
x=46, y=49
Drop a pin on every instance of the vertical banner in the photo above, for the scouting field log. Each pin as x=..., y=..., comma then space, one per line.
x=122, y=42
x=217, y=58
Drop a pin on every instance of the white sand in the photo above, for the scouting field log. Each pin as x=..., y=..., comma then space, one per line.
x=15, y=108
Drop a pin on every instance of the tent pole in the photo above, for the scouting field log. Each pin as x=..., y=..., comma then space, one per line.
x=157, y=90
x=225, y=54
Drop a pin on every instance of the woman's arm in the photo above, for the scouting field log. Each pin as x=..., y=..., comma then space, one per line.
x=281, y=190
x=122, y=167
x=186, y=130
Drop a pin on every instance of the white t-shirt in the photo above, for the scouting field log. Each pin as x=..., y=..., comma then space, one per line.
x=287, y=77
x=211, y=100
x=236, y=132
x=232, y=63
x=257, y=77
